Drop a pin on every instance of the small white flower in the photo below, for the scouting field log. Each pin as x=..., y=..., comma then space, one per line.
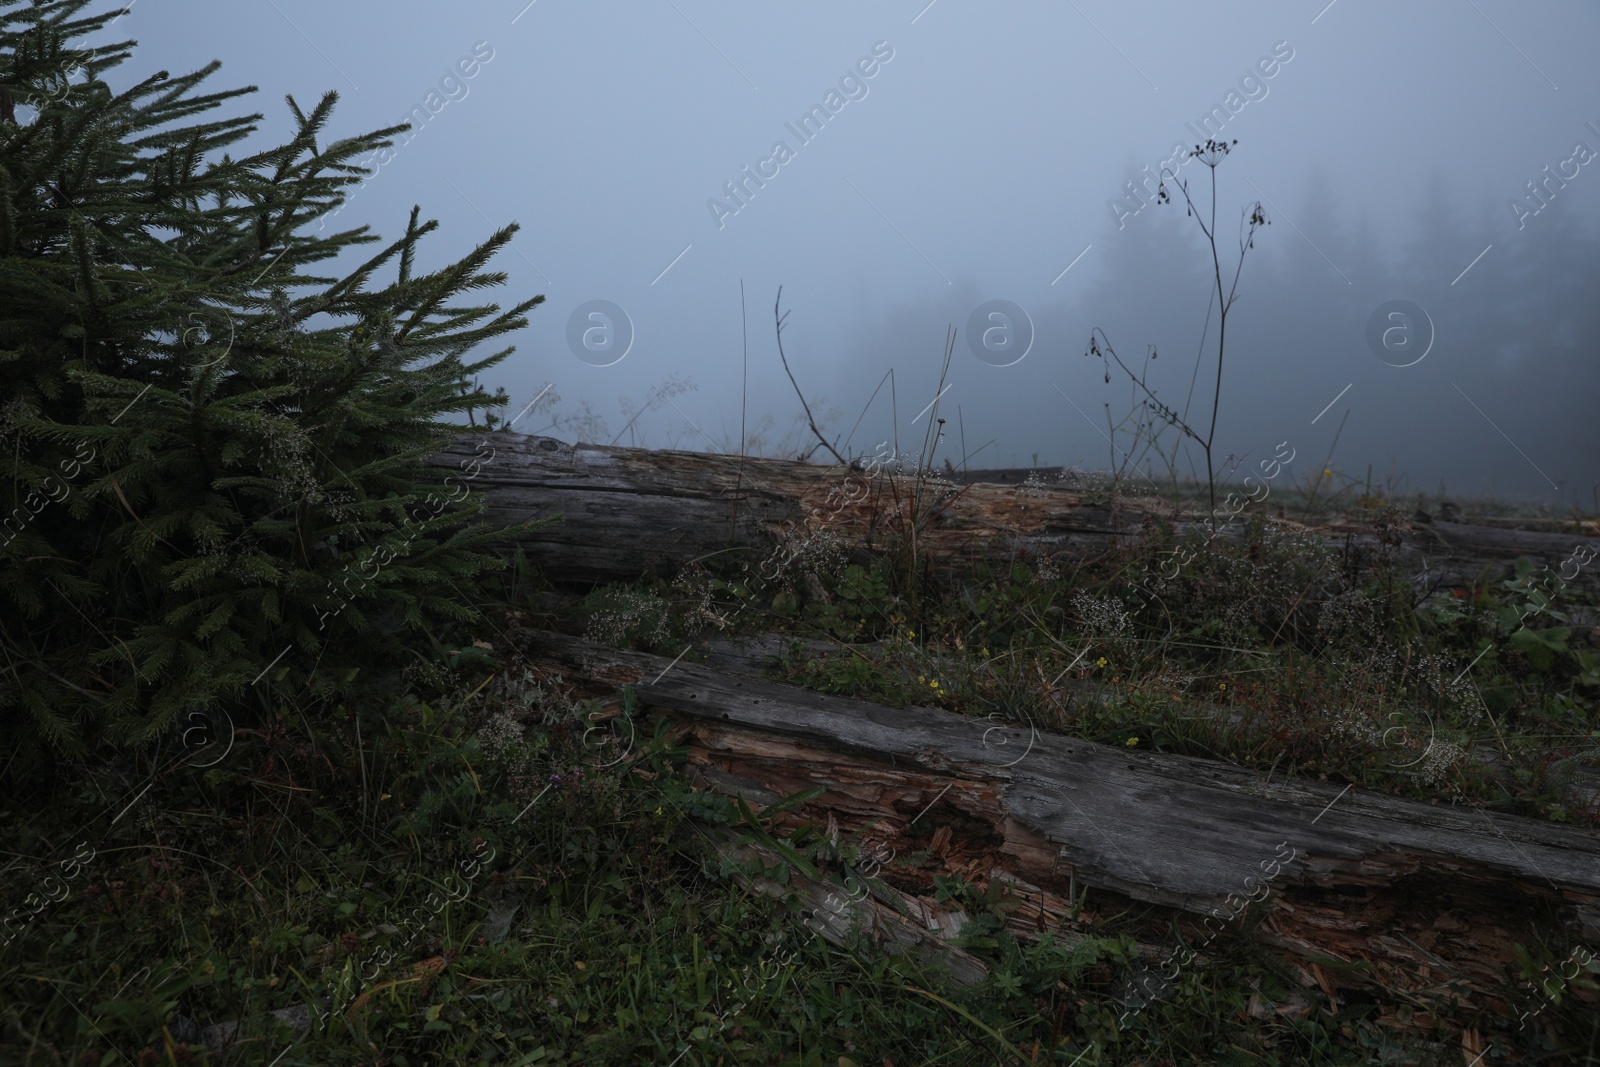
x=1102, y=616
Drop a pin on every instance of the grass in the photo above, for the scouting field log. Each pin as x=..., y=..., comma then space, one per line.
x=595, y=932
x=516, y=872
x=1268, y=650
x=489, y=882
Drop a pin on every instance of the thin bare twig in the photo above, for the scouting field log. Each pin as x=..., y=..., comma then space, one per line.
x=889, y=374
x=1327, y=463
x=744, y=394
x=778, y=321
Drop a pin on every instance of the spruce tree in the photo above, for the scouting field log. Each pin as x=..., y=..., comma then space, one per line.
x=214, y=486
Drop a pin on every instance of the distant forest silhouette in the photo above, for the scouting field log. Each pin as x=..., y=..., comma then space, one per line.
x=1518, y=335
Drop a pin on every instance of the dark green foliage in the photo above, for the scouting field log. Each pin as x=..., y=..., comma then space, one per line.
x=213, y=453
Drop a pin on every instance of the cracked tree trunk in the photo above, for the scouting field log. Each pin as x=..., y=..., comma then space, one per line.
x=626, y=510
x=1353, y=889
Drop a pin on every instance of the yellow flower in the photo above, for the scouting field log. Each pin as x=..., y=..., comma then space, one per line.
x=985, y=652
x=1133, y=740
x=934, y=684
x=1327, y=474
x=658, y=811
x=922, y=678
x=1222, y=685
x=1101, y=662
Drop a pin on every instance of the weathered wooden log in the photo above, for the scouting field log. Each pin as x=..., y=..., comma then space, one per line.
x=626, y=510
x=1361, y=889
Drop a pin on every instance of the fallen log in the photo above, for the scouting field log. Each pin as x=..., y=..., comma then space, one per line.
x=1356, y=889
x=628, y=510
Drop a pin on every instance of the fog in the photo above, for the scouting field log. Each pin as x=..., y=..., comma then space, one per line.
x=938, y=157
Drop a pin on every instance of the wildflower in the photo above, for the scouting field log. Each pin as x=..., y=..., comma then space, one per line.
x=1133, y=740
x=1101, y=662
x=1222, y=685
x=1102, y=615
x=922, y=678
x=1327, y=473
x=985, y=651
x=658, y=810
x=934, y=684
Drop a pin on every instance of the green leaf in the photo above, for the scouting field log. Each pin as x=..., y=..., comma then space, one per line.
x=1541, y=646
x=805, y=796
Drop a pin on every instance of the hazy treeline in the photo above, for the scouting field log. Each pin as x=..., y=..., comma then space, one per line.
x=1518, y=335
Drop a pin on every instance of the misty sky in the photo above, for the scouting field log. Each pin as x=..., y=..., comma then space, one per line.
x=976, y=152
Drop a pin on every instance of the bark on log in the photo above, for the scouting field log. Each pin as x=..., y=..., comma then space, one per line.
x=1361, y=889
x=627, y=509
